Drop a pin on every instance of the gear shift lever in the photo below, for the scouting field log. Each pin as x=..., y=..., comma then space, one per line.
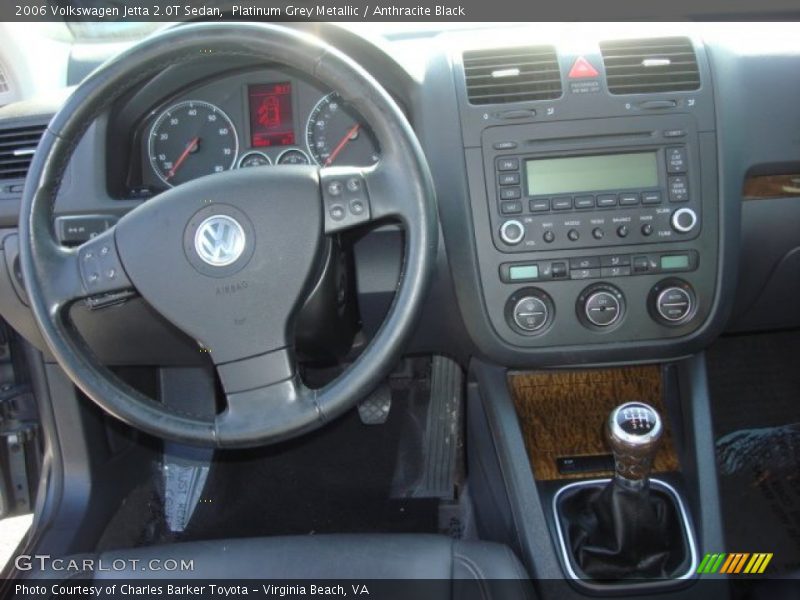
x=622, y=530
x=633, y=432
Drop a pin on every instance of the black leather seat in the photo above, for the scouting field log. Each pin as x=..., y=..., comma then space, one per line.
x=494, y=567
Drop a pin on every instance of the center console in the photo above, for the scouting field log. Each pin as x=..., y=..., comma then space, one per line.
x=597, y=222
x=597, y=230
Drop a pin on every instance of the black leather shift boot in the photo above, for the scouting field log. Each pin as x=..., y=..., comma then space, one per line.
x=613, y=532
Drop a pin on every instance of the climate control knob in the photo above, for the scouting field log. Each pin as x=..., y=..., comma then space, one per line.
x=529, y=311
x=672, y=302
x=683, y=220
x=512, y=232
x=601, y=306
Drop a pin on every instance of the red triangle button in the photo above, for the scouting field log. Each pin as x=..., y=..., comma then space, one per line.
x=582, y=69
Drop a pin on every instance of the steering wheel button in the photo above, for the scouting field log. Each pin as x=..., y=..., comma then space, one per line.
x=357, y=207
x=337, y=212
x=335, y=188
x=353, y=184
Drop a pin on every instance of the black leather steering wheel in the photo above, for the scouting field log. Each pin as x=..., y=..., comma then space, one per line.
x=228, y=257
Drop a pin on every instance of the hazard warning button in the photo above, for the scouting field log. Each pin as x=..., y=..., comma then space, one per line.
x=582, y=69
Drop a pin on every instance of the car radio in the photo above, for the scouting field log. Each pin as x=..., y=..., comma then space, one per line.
x=610, y=196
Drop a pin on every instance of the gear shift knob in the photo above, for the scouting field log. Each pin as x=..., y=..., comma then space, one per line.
x=633, y=432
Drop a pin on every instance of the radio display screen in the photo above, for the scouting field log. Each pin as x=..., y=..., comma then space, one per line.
x=271, y=122
x=574, y=174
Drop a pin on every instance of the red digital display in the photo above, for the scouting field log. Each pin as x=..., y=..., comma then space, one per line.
x=271, y=122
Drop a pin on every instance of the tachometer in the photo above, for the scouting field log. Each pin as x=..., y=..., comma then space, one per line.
x=191, y=139
x=336, y=134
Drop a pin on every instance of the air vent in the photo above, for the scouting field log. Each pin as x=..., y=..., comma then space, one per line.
x=16, y=150
x=650, y=65
x=512, y=74
x=4, y=87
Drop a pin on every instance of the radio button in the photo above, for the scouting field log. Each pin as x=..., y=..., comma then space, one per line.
x=606, y=200
x=588, y=262
x=511, y=193
x=504, y=145
x=563, y=203
x=597, y=233
x=615, y=271
x=507, y=164
x=540, y=205
x=512, y=232
x=628, y=199
x=678, y=189
x=573, y=235
x=584, y=201
x=508, y=179
x=651, y=198
x=676, y=160
x=511, y=208
x=559, y=269
x=647, y=229
x=622, y=231
x=641, y=264
x=584, y=274
x=615, y=260
x=549, y=236
x=674, y=133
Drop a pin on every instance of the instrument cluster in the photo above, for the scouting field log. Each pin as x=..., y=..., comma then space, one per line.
x=262, y=118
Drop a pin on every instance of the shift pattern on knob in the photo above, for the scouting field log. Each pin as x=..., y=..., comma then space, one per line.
x=633, y=432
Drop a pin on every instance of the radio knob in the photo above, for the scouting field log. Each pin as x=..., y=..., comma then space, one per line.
x=512, y=232
x=683, y=220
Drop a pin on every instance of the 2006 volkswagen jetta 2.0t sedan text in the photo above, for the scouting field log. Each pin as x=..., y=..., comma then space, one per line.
x=498, y=310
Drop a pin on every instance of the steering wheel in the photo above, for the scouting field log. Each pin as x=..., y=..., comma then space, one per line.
x=229, y=257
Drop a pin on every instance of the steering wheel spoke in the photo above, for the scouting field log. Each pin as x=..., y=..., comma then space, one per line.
x=103, y=280
x=91, y=272
x=260, y=389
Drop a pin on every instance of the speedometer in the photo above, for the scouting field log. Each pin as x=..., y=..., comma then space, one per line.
x=191, y=139
x=336, y=134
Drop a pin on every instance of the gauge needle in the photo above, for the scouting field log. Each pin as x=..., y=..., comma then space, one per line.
x=342, y=143
x=189, y=147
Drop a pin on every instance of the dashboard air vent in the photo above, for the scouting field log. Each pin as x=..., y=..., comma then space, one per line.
x=4, y=87
x=512, y=74
x=652, y=65
x=17, y=146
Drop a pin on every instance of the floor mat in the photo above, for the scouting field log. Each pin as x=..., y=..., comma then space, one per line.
x=755, y=391
x=339, y=479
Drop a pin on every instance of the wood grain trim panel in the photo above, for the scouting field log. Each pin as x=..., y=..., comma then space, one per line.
x=562, y=413
x=762, y=187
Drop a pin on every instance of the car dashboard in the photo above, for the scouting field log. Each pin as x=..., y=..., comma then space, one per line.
x=590, y=191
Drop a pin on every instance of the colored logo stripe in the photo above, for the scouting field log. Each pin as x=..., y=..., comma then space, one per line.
x=734, y=563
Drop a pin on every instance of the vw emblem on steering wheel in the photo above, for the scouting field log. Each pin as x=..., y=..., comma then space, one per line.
x=219, y=240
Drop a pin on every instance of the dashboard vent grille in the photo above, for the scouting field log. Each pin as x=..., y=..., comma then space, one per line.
x=4, y=87
x=652, y=65
x=17, y=146
x=512, y=74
